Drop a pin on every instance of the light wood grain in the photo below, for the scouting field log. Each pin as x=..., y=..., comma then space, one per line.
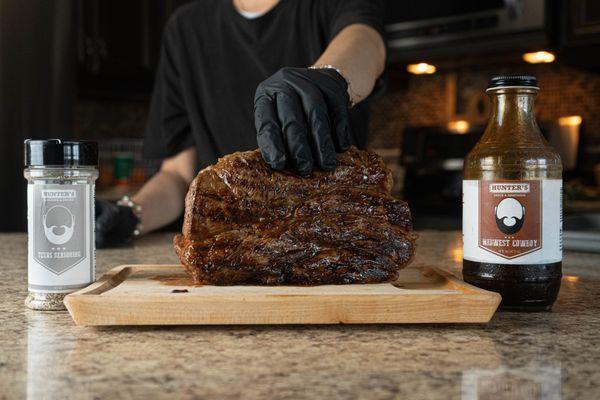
x=143, y=295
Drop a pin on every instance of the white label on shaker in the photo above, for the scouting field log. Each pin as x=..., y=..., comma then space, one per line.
x=512, y=222
x=61, y=237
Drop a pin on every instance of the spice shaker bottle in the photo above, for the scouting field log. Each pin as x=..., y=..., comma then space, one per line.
x=61, y=179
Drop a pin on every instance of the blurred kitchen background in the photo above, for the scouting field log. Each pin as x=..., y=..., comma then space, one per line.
x=84, y=69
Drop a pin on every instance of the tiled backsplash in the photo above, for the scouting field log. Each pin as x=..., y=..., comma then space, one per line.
x=423, y=100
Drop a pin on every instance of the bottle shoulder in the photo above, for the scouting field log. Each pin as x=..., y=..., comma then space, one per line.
x=519, y=161
x=519, y=154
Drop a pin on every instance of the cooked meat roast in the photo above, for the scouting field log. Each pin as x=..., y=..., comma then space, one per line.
x=246, y=224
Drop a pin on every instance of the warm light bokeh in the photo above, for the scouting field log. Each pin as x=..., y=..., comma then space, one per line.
x=457, y=254
x=421, y=68
x=571, y=120
x=459, y=126
x=539, y=57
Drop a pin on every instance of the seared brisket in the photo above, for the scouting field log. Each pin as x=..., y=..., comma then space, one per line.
x=246, y=224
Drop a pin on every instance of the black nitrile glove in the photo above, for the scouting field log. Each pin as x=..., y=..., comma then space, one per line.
x=301, y=118
x=114, y=224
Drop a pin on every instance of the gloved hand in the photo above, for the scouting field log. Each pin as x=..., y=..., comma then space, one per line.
x=114, y=224
x=301, y=118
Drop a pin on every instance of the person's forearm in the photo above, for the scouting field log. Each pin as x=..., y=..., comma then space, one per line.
x=358, y=51
x=161, y=199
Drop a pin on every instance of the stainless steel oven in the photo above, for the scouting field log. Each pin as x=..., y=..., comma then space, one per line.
x=445, y=25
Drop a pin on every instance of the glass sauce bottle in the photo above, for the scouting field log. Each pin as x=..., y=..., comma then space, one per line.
x=512, y=203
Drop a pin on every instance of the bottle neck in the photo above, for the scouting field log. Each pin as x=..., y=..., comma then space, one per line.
x=513, y=115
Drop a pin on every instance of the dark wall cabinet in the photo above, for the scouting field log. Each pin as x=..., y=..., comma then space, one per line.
x=118, y=44
x=580, y=39
x=583, y=22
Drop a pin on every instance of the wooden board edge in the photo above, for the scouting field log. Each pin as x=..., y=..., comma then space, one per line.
x=107, y=281
x=86, y=307
x=474, y=291
x=460, y=284
x=114, y=277
x=164, y=310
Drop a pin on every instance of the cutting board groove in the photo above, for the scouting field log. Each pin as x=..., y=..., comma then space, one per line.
x=164, y=295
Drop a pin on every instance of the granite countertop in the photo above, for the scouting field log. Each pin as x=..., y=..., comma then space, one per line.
x=519, y=355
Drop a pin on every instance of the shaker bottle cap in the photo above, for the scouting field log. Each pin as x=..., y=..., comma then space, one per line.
x=60, y=152
x=513, y=81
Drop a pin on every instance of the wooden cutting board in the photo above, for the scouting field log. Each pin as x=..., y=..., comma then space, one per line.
x=164, y=295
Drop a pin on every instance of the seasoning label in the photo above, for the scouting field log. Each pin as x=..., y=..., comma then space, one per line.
x=60, y=237
x=512, y=222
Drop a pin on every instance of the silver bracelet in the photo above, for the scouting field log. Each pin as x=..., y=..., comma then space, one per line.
x=351, y=92
x=137, y=211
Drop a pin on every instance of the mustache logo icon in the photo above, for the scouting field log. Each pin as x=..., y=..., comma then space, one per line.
x=509, y=215
x=52, y=232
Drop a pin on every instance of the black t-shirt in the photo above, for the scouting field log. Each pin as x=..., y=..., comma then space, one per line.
x=213, y=58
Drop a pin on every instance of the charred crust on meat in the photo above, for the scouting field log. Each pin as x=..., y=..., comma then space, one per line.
x=246, y=224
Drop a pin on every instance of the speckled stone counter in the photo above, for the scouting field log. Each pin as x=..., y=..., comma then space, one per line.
x=543, y=356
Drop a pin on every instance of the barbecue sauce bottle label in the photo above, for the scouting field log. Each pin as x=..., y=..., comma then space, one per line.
x=512, y=222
